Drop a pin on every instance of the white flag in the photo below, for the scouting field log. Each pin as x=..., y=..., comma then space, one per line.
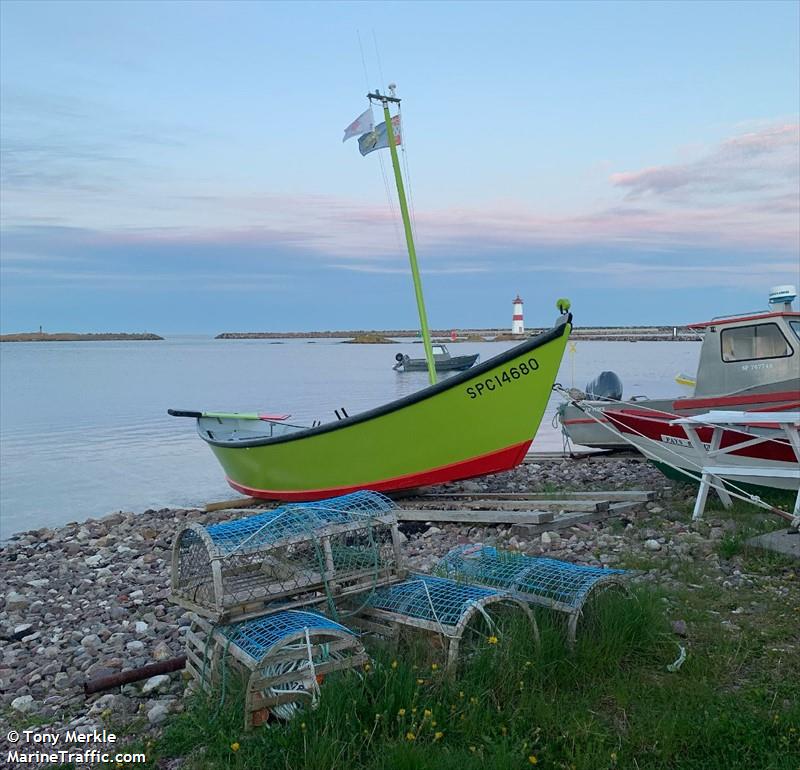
x=360, y=125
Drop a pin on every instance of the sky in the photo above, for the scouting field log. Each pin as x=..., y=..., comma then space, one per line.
x=179, y=167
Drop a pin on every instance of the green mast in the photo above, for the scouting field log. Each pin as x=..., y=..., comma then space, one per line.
x=412, y=253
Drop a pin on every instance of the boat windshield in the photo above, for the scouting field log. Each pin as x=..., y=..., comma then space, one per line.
x=795, y=328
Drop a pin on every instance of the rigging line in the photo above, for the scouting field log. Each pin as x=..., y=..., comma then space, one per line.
x=378, y=56
x=363, y=64
x=408, y=172
x=390, y=199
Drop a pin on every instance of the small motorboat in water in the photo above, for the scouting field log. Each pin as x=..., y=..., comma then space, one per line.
x=441, y=357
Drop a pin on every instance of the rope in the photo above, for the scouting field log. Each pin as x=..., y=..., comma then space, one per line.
x=727, y=486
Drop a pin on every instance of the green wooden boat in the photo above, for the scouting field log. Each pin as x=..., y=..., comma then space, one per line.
x=477, y=422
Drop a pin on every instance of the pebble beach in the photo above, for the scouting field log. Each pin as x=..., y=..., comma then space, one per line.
x=91, y=598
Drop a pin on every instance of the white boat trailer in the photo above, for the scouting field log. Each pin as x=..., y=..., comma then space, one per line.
x=713, y=471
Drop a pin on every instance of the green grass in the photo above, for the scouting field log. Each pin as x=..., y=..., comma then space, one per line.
x=609, y=703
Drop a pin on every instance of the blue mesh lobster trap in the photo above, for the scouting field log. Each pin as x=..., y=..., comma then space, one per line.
x=451, y=609
x=282, y=659
x=550, y=583
x=293, y=556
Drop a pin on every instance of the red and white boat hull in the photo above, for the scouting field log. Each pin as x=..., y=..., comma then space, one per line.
x=667, y=443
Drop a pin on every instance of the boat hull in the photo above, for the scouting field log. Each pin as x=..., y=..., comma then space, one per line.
x=668, y=445
x=584, y=430
x=476, y=422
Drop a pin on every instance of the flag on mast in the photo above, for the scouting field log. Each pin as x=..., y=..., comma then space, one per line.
x=377, y=139
x=361, y=124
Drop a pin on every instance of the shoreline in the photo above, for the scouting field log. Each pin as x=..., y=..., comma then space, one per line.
x=91, y=598
x=70, y=337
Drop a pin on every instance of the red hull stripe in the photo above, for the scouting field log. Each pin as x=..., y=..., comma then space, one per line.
x=778, y=449
x=683, y=404
x=501, y=460
x=740, y=319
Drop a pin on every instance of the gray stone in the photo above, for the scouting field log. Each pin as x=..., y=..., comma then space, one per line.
x=156, y=684
x=679, y=628
x=15, y=601
x=782, y=541
x=652, y=545
x=157, y=714
x=23, y=704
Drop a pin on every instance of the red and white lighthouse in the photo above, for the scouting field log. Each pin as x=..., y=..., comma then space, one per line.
x=517, y=324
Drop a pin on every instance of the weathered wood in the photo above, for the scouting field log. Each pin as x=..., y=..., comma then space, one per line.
x=475, y=517
x=608, y=495
x=239, y=502
x=570, y=519
x=517, y=505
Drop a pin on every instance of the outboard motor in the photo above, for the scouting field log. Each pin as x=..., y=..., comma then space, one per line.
x=606, y=387
x=401, y=359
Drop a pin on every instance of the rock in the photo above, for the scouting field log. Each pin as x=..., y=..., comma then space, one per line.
x=93, y=561
x=91, y=642
x=679, y=628
x=21, y=631
x=157, y=714
x=23, y=704
x=156, y=684
x=162, y=651
x=652, y=545
x=135, y=646
x=140, y=627
x=15, y=601
x=551, y=540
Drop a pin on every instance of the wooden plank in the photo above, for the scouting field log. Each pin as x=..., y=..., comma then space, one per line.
x=608, y=495
x=559, y=522
x=239, y=502
x=525, y=506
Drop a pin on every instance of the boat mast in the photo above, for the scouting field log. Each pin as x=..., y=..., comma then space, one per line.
x=412, y=253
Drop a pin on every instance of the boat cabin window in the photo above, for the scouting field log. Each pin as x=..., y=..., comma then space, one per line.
x=438, y=350
x=795, y=328
x=748, y=343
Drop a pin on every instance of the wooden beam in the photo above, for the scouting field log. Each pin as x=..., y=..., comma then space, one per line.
x=524, y=506
x=482, y=517
x=239, y=502
x=609, y=495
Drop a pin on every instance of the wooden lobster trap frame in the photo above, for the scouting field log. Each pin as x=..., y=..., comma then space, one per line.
x=296, y=555
x=281, y=658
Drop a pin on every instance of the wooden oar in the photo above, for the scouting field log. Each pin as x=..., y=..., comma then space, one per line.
x=228, y=415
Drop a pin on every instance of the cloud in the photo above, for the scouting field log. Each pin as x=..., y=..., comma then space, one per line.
x=767, y=160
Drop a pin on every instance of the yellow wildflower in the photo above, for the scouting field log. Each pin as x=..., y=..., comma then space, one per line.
x=533, y=760
x=492, y=639
x=434, y=666
x=472, y=748
x=461, y=694
x=504, y=730
x=438, y=735
x=302, y=725
x=367, y=667
x=420, y=681
x=473, y=700
x=401, y=713
x=414, y=710
x=410, y=736
x=613, y=756
x=427, y=713
x=433, y=723
x=234, y=746
x=394, y=664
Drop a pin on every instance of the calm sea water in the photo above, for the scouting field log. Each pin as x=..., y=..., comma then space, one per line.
x=84, y=430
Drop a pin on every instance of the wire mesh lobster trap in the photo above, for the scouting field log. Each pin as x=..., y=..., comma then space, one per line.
x=557, y=585
x=292, y=556
x=458, y=612
x=282, y=659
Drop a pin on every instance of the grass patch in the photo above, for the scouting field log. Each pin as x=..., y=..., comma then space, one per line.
x=609, y=703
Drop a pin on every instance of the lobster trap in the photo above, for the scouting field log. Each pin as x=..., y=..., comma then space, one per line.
x=462, y=615
x=557, y=585
x=296, y=555
x=281, y=658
